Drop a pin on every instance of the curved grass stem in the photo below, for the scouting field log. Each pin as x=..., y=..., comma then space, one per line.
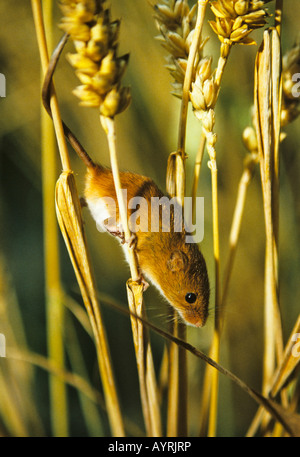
x=202, y=4
x=53, y=289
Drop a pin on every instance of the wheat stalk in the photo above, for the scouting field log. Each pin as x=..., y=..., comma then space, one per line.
x=181, y=36
x=233, y=23
x=54, y=295
x=268, y=140
x=250, y=140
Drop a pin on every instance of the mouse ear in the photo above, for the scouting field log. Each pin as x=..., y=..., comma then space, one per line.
x=178, y=261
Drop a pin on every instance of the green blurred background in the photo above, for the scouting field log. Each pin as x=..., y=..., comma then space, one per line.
x=146, y=134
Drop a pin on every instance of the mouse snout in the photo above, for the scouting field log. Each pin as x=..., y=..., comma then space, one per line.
x=199, y=324
x=194, y=317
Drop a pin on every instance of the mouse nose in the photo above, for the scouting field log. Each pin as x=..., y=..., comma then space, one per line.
x=194, y=317
x=199, y=324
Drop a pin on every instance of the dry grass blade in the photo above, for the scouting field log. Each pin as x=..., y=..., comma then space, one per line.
x=290, y=361
x=72, y=379
x=173, y=388
x=18, y=412
x=267, y=104
x=177, y=393
x=53, y=287
x=71, y=225
x=290, y=421
x=10, y=412
x=197, y=169
x=202, y=4
x=249, y=167
x=177, y=423
x=283, y=374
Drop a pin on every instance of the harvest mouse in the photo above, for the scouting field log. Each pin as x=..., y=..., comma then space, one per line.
x=175, y=267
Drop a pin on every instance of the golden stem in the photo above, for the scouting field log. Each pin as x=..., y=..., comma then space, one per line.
x=235, y=229
x=202, y=4
x=225, y=50
x=109, y=127
x=42, y=44
x=197, y=168
x=177, y=420
x=53, y=290
x=212, y=424
x=267, y=104
x=72, y=228
x=145, y=367
x=173, y=392
x=148, y=388
x=212, y=376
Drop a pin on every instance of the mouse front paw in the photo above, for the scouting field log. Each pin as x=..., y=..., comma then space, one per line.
x=83, y=202
x=132, y=241
x=144, y=283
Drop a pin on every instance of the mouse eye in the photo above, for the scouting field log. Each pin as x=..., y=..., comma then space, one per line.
x=191, y=297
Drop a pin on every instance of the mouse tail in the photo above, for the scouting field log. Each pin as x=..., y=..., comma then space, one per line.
x=78, y=148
